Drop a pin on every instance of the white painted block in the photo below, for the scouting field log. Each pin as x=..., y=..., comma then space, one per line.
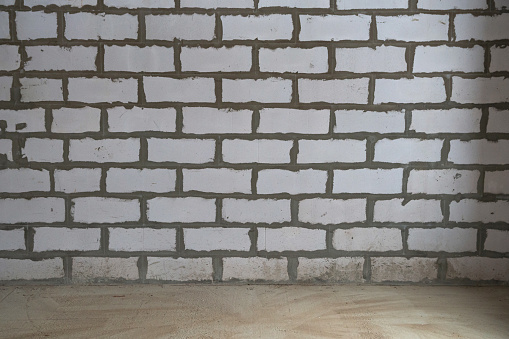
x=158, y=89
x=184, y=210
x=403, y=269
x=205, y=120
x=142, y=239
x=5, y=88
x=271, y=90
x=373, y=181
x=76, y=120
x=25, y=269
x=291, y=239
x=443, y=181
x=413, y=211
x=456, y=120
x=452, y=4
x=180, y=26
x=187, y=151
x=24, y=121
x=12, y=240
x=128, y=180
x=39, y=210
x=78, y=180
x=88, y=270
x=294, y=3
x=217, y=239
x=366, y=59
x=497, y=241
x=498, y=121
x=481, y=27
x=4, y=26
x=476, y=268
x=95, y=90
x=255, y=269
x=179, y=269
x=90, y=26
x=368, y=4
x=217, y=4
x=407, y=150
x=18, y=180
x=92, y=210
x=256, y=211
x=432, y=59
x=66, y=239
x=138, y=59
x=224, y=59
x=499, y=59
x=479, y=152
x=135, y=4
x=105, y=150
x=413, y=90
x=9, y=57
x=496, y=182
x=331, y=270
x=217, y=180
x=273, y=181
x=494, y=90
x=138, y=119
x=334, y=27
x=367, y=239
x=286, y=120
x=332, y=211
x=470, y=210
x=36, y=25
x=253, y=27
x=72, y=3
x=294, y=60
x=41, y=89
x=56, y=58
x=324, y=151
x=369, y=121
x=442, y=240
x=261, y=151
x=6, y=149
x=342, y=91
x=43, y=150
x=418, y=27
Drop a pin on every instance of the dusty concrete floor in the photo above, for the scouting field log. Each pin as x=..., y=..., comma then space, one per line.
x=154, y=311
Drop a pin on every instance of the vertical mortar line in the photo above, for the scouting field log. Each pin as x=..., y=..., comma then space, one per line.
x=65, y=87
x=295, y=90
x=29, y=238
x=177, y=51
x=373, y=31
x=404, y=238
x=105, y=240
x=370, y=149
x=217, y=269
x=12, y=25
x=445, y=206
x=370, y=208
x=332, y=122
x=66, y=145
x=406, y=175
x=333, y=5
x=491, y=5
x=102, y=181
x=451, y=32
x=330, y=182
x=177, y=4
x=103, y=128
x=371, y=89
x=141, y=91
x=446, y=147
x=219, y=150
x=408, y=121
x=412, y=5
x=329, y=235
x=143, y=210
x=366, y=269
x=68, y=210
x=448, y=87
x=254, y=180
x=442, y=269
x=410, y=57
x=218, y=90
x=294, y=151
x=332, y=58
x=487, y=57
x=255, y=61
x=256, y=5
x=100, y=58
x=142, y=28
x=480, y=182
x=180, y=246
x=179, y=184
x=142, y=264
x=292, y=267
x=48, y=119
x=294, y=211
x=179, y=121
x=52, y=180
x=253, y=238
x=255, y=121
x=482, y=234
x=67, y=265
x=60, y=27
x=143, y=150
x=296, y=27
x=218, y=29
x=219, y=211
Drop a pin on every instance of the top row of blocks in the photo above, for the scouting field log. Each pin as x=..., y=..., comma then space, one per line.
x=250, y=4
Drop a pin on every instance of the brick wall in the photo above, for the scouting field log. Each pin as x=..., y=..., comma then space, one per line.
x=265, y=140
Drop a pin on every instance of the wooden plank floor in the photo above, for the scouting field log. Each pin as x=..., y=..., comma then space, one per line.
x=259, y=311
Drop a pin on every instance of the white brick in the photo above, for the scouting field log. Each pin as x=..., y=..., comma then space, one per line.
x=294, y=3
x=78, y=180
x=217, y=180
x=24, y=180
x=66, y=239
x=252, y=27
x=36, y=25
x=291, y=239
x=369, y=121
x=72, y=3
x=12, y=240
x=6, y=149
x=7, y=2
x=402, y=269
x=494, y=90
x=419, y=27
x=91, y=210
x=89, y=26
x=159, y=89
x=180, y=269
x=4, y=26
x=48, y=58
x=86, y=270
x=257, y=151
x=255, y=269
x=366, y=59
x=106, y=150
x=138, y=119
x=134, y=4
x=475, y=268
x=413, y=211
x=479, y=152
x=332, y=211
x=353, y=91
x=368, y=4
x=501, y=4
x=127, y=180
x=256, y=211
x=286, y=120
x=25, y=269
x=40, y=210
x=441, y=4
x=296, y=60
x=43, y=150
x=215, y=239
x=205, y=120
x=469, y=210
x=497, y=241
x=456, y=120
x=271, y=90
x=482, y=27
x=191, y=209
x=182, y=27
x=443, y=181
x=103, y=90
x=330, y=270
x=367, y=239
x=9, y=57
x=5, y=88
x=216, y=4
x=138, y=59
x=273, y=181
x=442, y=240
x=499, y=59
x=413, y=90
x=224, y=59
x=76, y=120
x=402, y=151
x=496, y=182
x=374, y=181
x=24, y=121
x=142, y=239
x=41, y=89
x=334, y=27
x=189, y=151
x=323, y=151
x=430, y=59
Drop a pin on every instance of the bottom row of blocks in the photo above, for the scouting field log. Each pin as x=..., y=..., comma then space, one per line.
x=344, y=269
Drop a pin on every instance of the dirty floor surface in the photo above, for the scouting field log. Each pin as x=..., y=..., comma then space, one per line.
x=164, y=311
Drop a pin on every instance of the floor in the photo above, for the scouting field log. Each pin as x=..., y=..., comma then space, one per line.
x=259, y=311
